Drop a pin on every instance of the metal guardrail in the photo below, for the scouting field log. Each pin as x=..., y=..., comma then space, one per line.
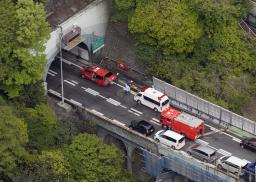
x=204, y=109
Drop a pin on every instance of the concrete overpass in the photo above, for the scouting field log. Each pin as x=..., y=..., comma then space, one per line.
x=92, y=19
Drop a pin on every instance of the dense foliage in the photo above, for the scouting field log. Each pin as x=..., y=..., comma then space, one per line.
x=23, y=34
x=196, y=45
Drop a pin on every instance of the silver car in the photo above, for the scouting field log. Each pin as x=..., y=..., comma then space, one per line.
x=203, y=152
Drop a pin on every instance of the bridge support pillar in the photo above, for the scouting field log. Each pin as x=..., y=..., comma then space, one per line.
x=129, y=149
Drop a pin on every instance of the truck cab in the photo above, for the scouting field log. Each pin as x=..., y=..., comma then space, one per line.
x=99, y=75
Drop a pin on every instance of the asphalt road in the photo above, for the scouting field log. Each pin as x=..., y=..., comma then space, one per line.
x=113, y=103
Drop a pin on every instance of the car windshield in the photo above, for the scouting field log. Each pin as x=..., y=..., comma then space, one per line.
x=165, y=102
x=182, y=139
x=109, y=74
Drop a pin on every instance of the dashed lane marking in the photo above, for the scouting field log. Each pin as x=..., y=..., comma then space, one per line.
x=136, y=111
x=155, y=122
x=74, y=82
x=114, y=102
x=54, y=92
x=54, y=72
x=70, y=63
x=224, y=152
x=130, y=111
x=91, y=91
x=75, y=102
x=123, y=106
x=69, y=82
x=97, y=112
x=49, y=73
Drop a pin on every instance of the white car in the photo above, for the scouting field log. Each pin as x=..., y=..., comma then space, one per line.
x=170, y=138
x=232, y=164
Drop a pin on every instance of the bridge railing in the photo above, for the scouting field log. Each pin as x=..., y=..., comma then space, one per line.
x=204, y=109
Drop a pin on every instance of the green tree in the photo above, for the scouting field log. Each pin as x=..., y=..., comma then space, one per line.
x=91, y=160
x=13, y=137
x=22, y=60
x=50, y=166
x=41, y=122
x=168, y=25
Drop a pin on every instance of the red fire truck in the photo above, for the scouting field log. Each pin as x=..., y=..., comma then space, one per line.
x=183, y=123
x=98, y=75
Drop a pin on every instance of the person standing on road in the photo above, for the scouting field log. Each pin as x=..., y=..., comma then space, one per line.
x=127, y=89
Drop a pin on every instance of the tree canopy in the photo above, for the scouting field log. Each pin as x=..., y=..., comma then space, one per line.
x=23, y=34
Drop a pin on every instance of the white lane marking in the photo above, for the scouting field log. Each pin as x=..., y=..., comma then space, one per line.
x=233, y=138
x=114, y=102
x=97, y=112
x=136, y=111
x=75, y=102
x=91, y=91
x=69, y=82
x=199, y=141
x=102, y=96
x=70, y=63
x=224, y=152
x=118, y=122
x=54, y=92
x=49, y=73
x=84, y=88
x=74, y=82
x=54, y=72
x=236, y=139
x=133, y=112
x=123, y=106
x=155, y=122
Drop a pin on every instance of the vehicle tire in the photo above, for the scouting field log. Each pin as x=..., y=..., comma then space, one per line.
x=219, y=167
x=157, y=140
x=155, y=109
x=138, y=102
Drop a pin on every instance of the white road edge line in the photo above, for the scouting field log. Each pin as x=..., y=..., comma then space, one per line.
x=123, y=106
x=155, y=122
x=54, y=92
x=136, y=111
x=69, y=82
x=75, y=102
x=133, y=113
x=118, y=122
x=102, y=96
x=97, y=112
x=70, y=63
x=54, y=72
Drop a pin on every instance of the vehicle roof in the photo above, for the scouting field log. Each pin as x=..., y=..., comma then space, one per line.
x=145, y=123
x=170, y=113
x=189, y=120
x=173, y=135
x=237, y=161
x=205, y=149
x=99, y=71
x=153, y=93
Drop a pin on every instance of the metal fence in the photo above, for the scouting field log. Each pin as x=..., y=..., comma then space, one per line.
x=206, y=110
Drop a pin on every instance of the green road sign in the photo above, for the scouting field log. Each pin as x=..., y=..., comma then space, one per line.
x=98, y=44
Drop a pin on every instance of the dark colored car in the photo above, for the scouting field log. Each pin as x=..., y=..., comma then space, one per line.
x=249, y=143
x=249, y=172
x=142, y=127
x=203, y=152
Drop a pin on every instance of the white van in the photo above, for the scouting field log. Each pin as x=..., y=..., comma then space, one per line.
x=153, y=99
x=170, y=138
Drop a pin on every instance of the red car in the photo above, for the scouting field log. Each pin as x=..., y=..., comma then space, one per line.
x=98, y=75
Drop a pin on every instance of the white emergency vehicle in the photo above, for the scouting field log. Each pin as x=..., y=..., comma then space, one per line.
x=153, y=99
